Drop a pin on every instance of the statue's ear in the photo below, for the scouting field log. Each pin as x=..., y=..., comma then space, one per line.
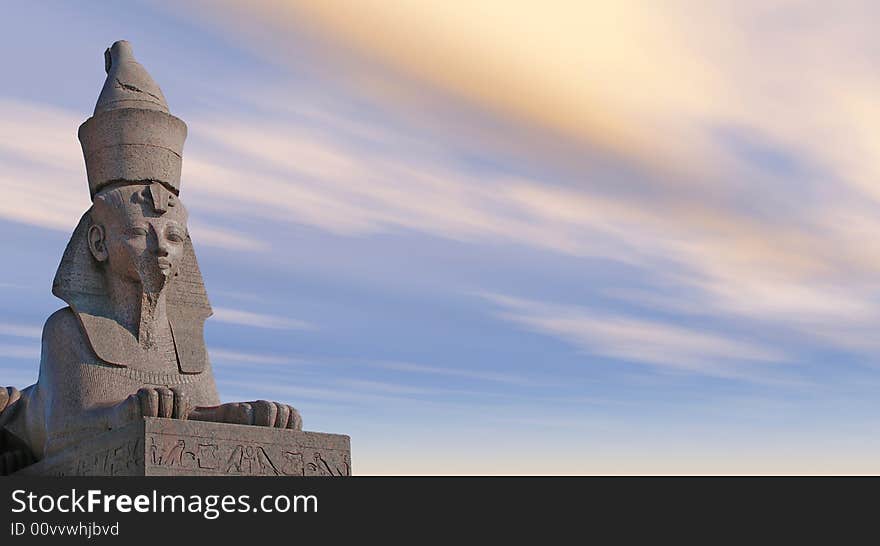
x=98, y=242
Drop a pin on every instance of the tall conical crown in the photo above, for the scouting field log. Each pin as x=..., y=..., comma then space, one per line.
x=128, y=84
x=131, y=137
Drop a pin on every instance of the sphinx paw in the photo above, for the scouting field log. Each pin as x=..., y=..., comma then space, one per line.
x=163, y=402
x=262, y=413
x=276, y=414
x=295, y=421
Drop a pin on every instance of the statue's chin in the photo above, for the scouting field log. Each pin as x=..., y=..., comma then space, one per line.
x=154, y=281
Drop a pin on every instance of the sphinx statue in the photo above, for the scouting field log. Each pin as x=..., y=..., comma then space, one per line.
x=130, y=343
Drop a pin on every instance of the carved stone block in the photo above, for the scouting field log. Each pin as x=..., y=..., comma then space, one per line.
x=164, y=447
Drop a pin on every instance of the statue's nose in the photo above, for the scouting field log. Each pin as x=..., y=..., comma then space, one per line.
x=159, y=242
x=162, y=247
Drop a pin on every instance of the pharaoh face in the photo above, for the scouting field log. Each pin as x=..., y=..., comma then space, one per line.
x=139, y=231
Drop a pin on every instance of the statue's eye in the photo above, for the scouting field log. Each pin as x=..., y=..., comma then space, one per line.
x=138, y=232
x=176, y=236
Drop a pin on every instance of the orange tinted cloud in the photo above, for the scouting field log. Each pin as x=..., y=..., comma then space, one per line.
x=614, y=74
x=644, y=80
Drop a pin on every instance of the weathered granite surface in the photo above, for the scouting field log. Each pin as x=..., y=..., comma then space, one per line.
x=162, y=447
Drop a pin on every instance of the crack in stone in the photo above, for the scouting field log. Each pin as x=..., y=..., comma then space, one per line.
x=129, y=87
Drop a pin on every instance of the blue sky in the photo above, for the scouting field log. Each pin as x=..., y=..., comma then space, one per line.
x=593, y=237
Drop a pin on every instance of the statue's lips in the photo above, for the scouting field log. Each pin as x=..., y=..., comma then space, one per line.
x=164, y=263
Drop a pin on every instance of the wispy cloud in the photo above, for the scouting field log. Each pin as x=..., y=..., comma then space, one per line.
x=729, y=132
x=249, y=297
x=817, y=266
x=20, y=330
x=20, y=351
x=368, y=385
x=560, y=66
x=794, y=74
x=514, y=379
x=206, y=234
x=321, y=394
x=238, y=357
x=258, y=320
x=637, y=340
x=43, y=177
x=810, y=264
x=369, y=392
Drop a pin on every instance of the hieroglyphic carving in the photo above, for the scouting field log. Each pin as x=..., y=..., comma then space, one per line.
x=251, y=460
x=321, y=467
x=155, y=447
x=121, y=459
x=207, y=457
x=293, y=464
x=180, y=453
x=118, y=460
x=231, y=457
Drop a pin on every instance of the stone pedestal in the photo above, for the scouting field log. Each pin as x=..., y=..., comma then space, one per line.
x=170, y=447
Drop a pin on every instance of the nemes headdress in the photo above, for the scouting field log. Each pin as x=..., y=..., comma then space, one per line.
x=131, y=139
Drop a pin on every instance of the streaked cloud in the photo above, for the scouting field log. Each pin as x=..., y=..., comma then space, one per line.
x=367, y=385
x=43, y=176
x=731, y=260
x=409, y=367
x=650, y=81
x=320, y=394
x=258, y=320
x=20, y=351
x=239, y=357
x=720, y=100
x=808, y=269
x=637, y=340
x=569, y=65
x=728, y=260
x=20, y=330
x=206, y=234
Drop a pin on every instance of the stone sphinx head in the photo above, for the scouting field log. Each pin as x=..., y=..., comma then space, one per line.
x=135, y=233
x=138, y=233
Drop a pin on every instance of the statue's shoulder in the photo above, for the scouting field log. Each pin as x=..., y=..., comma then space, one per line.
x=60, y=321
x=62, y=330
